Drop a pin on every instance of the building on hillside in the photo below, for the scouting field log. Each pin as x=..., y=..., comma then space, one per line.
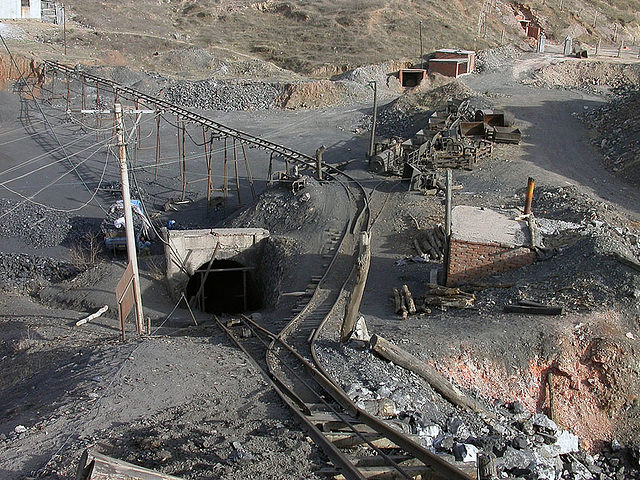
x=20, y=9
x=452, y=63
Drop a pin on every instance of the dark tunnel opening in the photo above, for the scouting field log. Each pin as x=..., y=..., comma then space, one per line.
x=229, y=287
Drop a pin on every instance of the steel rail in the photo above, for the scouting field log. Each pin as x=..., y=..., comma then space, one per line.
x=362, y=221
x=337, y=457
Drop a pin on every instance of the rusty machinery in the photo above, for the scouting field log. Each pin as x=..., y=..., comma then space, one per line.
x=457, y=137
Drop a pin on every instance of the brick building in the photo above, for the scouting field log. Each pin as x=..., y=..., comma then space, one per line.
x=485, y=242
x=452, y=63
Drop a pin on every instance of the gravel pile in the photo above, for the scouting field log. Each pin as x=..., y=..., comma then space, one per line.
x=618, y=133
x=524, y=445
x=495, y=59
x=594, y=77
x=214, y=94
x=409, y=113
x=25, y=273
x=38, y=226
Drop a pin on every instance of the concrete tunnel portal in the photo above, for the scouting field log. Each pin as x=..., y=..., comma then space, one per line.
x=224, y=286
x=219, y=270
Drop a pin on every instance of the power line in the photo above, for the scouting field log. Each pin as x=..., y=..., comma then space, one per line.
x=46, y=154
x=31, y=172
x=44, y=116
x=30, y=198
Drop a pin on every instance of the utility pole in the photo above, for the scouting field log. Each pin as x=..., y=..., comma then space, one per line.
x=128, y=216
x=372, y=141
x=64, y=28
x=421, y=50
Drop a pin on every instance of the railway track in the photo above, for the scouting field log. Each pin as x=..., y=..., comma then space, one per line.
x=358, y=445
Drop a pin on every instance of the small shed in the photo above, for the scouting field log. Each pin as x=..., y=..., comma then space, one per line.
x=485, y=242
x=452, y=62
x=16, y=9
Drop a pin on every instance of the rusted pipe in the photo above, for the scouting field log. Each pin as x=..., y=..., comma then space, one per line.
x=529, y=197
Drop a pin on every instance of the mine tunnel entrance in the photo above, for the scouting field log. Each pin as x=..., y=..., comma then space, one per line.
x=229, y=287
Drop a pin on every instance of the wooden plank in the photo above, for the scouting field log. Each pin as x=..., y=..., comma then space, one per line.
x=350, y=439
x=96, y=466
x=546, y=310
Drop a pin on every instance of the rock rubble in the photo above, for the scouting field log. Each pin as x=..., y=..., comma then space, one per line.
x=37, y=225
x=525, y=445
x=25, y=273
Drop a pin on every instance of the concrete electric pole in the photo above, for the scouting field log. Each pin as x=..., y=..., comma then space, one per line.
x=372, y=140
x=128, y=216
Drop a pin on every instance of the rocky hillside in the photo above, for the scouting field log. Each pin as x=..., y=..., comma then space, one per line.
x=322, y=37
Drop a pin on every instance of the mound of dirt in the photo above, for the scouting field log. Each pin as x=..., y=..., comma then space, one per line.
x=617, y=129
x=322, y=93
x=495, y=58
x=36, y=225
x=585, y=74
x=27, y=273
x=300, y=215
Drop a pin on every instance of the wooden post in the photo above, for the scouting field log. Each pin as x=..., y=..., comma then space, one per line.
x=53, y=85
x=408, y=298
x=68, y=96
x=421, y=48
x=64, y=28
x=235, y=166
x=83, y=101
x=615, y=33
x=225, y=178
x=397, y=300
x=598, y=46
x=99, y=115
x=184, y=161
x=157, y=145
x=270, y=172
x=529, y=197
x=620, y=48
x=319, y=153
x=552, y=414
x=448, y=201
x=444, y=387
x=207, y=157
x=372, y=139
x=353, y=304
x=447, y=224
x=246, y=166
x=136, y=106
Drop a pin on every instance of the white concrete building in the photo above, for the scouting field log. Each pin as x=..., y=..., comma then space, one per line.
x=20, y=9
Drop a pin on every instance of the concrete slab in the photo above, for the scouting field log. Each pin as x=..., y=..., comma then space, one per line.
x=482, y=225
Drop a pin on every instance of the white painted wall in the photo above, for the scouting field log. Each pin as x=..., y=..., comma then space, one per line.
x=13, y=9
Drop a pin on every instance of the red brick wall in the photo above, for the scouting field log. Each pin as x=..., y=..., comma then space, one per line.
x=448, y=69
x=469, y=261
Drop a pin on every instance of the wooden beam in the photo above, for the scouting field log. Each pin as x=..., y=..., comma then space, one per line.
x=444, y=387
x=96, y=466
